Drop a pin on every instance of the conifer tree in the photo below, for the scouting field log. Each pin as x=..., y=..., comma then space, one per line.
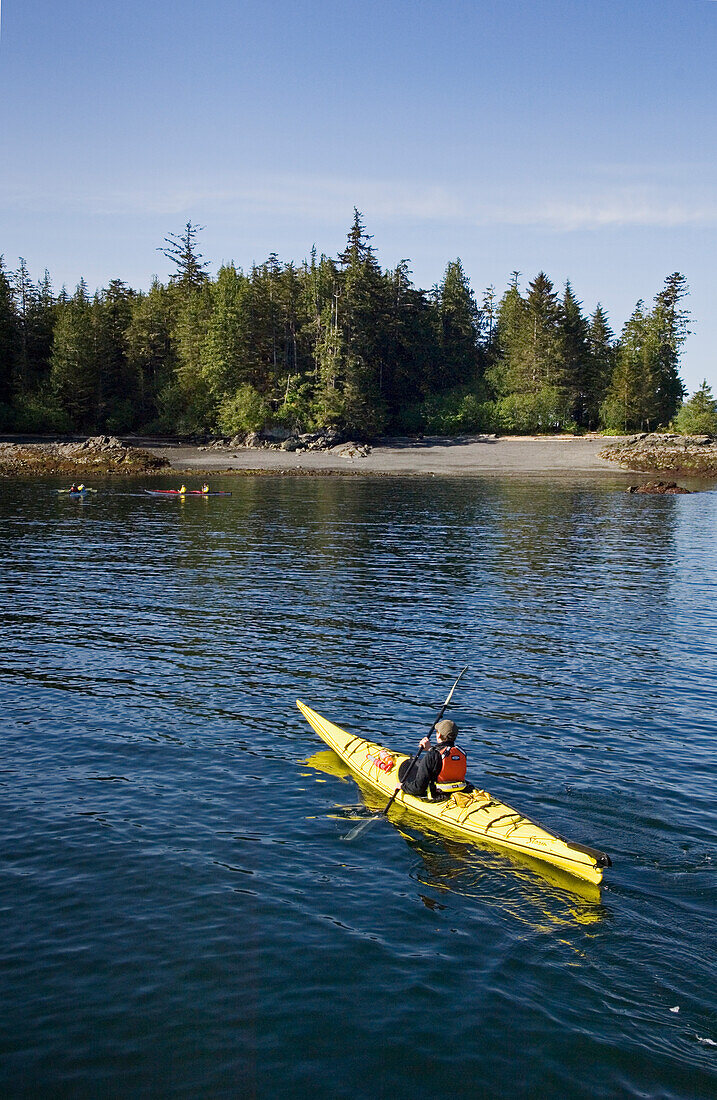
x=9, y=338
x=362, y=323
x=24, y=293
x=459, y=329
x=75, y=367
x=120, y=385
x=545, y=362
x=577, y=362
x=602, y=362
x=40, y=328
x=508, y=372
x=190, y=400
x=151, y=348
x=631, y=399
x=224, y=349
x=189, y=265
x=670, y=322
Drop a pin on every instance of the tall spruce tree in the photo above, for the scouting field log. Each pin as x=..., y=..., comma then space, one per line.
x=9, y=338
x=601, y=345
x=508, y=372
x=187, y=401
x=670, y=321
x=412, y=348
x=631, y=401
x=224, y=354
x=545, y=363
x=75, y=373
x=189, y=265
x=577, y=362
x=362, y=323
x=459, y=329
x=151, y=348
x=119, y=381
x=40, y=328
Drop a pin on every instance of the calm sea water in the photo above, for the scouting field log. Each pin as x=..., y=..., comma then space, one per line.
x=180, y=913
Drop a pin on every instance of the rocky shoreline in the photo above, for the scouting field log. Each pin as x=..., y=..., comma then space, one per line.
x=101, y=454
x=328, y=453
x=679, y=455
x=328, y=439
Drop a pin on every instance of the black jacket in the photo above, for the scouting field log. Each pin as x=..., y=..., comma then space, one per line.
x=423, y=775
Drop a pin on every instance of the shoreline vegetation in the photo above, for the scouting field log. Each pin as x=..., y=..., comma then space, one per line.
x=335, y=344
x=467, y=455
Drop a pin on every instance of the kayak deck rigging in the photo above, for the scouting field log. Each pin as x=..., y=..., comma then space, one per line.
x=471, y=814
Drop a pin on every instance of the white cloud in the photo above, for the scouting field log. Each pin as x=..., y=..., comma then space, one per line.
x=602, y=203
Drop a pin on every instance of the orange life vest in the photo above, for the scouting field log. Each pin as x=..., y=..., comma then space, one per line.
x=452, y=776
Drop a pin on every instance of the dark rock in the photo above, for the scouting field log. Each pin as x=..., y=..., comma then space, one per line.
x=658, y=487
x=688, y=456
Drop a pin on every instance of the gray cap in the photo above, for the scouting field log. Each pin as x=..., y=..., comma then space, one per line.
x=447, y=729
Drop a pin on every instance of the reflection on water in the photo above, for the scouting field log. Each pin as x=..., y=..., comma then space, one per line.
x=178, y=900
x=461, y=866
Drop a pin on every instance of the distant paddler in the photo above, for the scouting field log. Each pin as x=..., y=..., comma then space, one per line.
x=183, y=490
x=205, y=488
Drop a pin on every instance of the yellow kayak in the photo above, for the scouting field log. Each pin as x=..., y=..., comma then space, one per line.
x=472, y=815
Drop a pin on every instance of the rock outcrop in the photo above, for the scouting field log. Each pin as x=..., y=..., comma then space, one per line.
x=100, y=454
x=689, y=456
x=278, y=439
x=658, y=487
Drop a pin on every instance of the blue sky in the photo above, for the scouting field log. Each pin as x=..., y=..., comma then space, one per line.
x=572, y=136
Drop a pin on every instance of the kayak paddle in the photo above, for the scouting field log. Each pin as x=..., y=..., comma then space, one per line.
x=384, y=813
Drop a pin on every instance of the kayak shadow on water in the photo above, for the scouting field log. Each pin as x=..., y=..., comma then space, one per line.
x=453, y=868
x=457, y=867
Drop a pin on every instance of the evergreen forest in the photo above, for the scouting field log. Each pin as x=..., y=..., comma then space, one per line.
x=330, y=342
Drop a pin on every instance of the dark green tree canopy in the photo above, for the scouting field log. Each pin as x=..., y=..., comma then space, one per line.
x=332, y=341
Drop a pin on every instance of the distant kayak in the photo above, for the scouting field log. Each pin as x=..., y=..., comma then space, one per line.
x=187, y=493
x=77, y=492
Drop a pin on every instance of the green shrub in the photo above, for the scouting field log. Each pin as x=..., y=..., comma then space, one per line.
x=246, y=411
x=298, y=411
x=548, y=410
x=698, y=416
x=458, y=413
x=39, y=413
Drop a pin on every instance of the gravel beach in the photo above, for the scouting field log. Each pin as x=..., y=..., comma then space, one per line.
x=465, y=455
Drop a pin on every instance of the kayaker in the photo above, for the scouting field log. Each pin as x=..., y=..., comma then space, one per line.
x=205, y=488
x=73, y=488
x=183, y=489
x=441, y=770
x=80, y=488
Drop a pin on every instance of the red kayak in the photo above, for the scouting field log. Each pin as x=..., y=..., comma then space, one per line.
x=187, y=493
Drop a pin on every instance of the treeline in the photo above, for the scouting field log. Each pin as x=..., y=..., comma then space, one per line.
x=330, y=342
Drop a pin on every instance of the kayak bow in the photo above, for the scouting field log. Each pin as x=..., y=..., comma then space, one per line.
x=472, y=815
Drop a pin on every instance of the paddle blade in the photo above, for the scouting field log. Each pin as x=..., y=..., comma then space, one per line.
x=362, y=825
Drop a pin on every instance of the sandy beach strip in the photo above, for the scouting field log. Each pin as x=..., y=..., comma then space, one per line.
x=464, y=455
